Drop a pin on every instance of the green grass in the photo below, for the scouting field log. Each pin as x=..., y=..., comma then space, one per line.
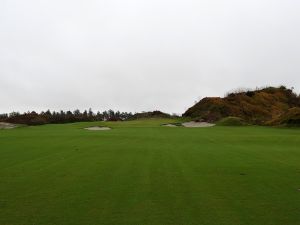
x=141, y=173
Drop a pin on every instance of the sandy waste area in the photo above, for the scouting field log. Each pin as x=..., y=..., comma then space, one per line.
x=7, y=125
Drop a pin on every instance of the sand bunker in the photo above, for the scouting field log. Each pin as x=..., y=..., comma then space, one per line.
x=7, y=125
x=197, y=124
x=190, y=124
x=169, y=125
x=97, y=128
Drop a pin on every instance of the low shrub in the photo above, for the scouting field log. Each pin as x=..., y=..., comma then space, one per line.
x=291, y=118
x=231, y=121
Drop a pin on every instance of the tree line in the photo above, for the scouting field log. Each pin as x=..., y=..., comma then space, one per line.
x=34, y=118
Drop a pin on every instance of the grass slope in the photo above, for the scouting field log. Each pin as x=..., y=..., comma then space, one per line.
x=141, y=173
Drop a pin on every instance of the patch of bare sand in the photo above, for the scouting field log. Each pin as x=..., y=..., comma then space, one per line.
x=7, y=125
x=169, y=125
x=97, y=128
x=197, y=124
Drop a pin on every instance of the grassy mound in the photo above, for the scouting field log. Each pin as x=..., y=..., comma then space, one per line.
x=257, y=107
x=231, y=121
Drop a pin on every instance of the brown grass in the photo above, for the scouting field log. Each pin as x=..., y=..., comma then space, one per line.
x=257, y=107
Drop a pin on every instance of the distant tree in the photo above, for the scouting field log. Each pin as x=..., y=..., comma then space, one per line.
x=13, y=114
x=99, y=116
x=90, y=114
x=34, y=118
x=85, y=115
x=76, y=112
x=111, y=115
x=105, y=115
x=69, y=117
x=3, y=116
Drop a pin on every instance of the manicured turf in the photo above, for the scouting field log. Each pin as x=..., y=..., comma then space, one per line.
x=140, y=173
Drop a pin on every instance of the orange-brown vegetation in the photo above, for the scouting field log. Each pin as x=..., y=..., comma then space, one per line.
x=290, y=118
x=262, y=106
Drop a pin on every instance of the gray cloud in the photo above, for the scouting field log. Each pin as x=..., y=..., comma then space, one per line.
x=139, y=55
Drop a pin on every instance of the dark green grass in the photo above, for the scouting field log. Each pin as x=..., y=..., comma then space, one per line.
x=141, y=173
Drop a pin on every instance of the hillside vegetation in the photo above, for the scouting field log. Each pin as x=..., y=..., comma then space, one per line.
x=231, y=121
x=269, y=105
x=290, y=118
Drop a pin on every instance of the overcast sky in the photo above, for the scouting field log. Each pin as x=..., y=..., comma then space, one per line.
x=138, y=55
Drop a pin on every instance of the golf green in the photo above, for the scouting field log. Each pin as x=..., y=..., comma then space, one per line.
x=142, y=173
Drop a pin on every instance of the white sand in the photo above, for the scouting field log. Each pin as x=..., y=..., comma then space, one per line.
x=7, y=125
x=197, y=124
x=97, y=128
x=169, y=125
